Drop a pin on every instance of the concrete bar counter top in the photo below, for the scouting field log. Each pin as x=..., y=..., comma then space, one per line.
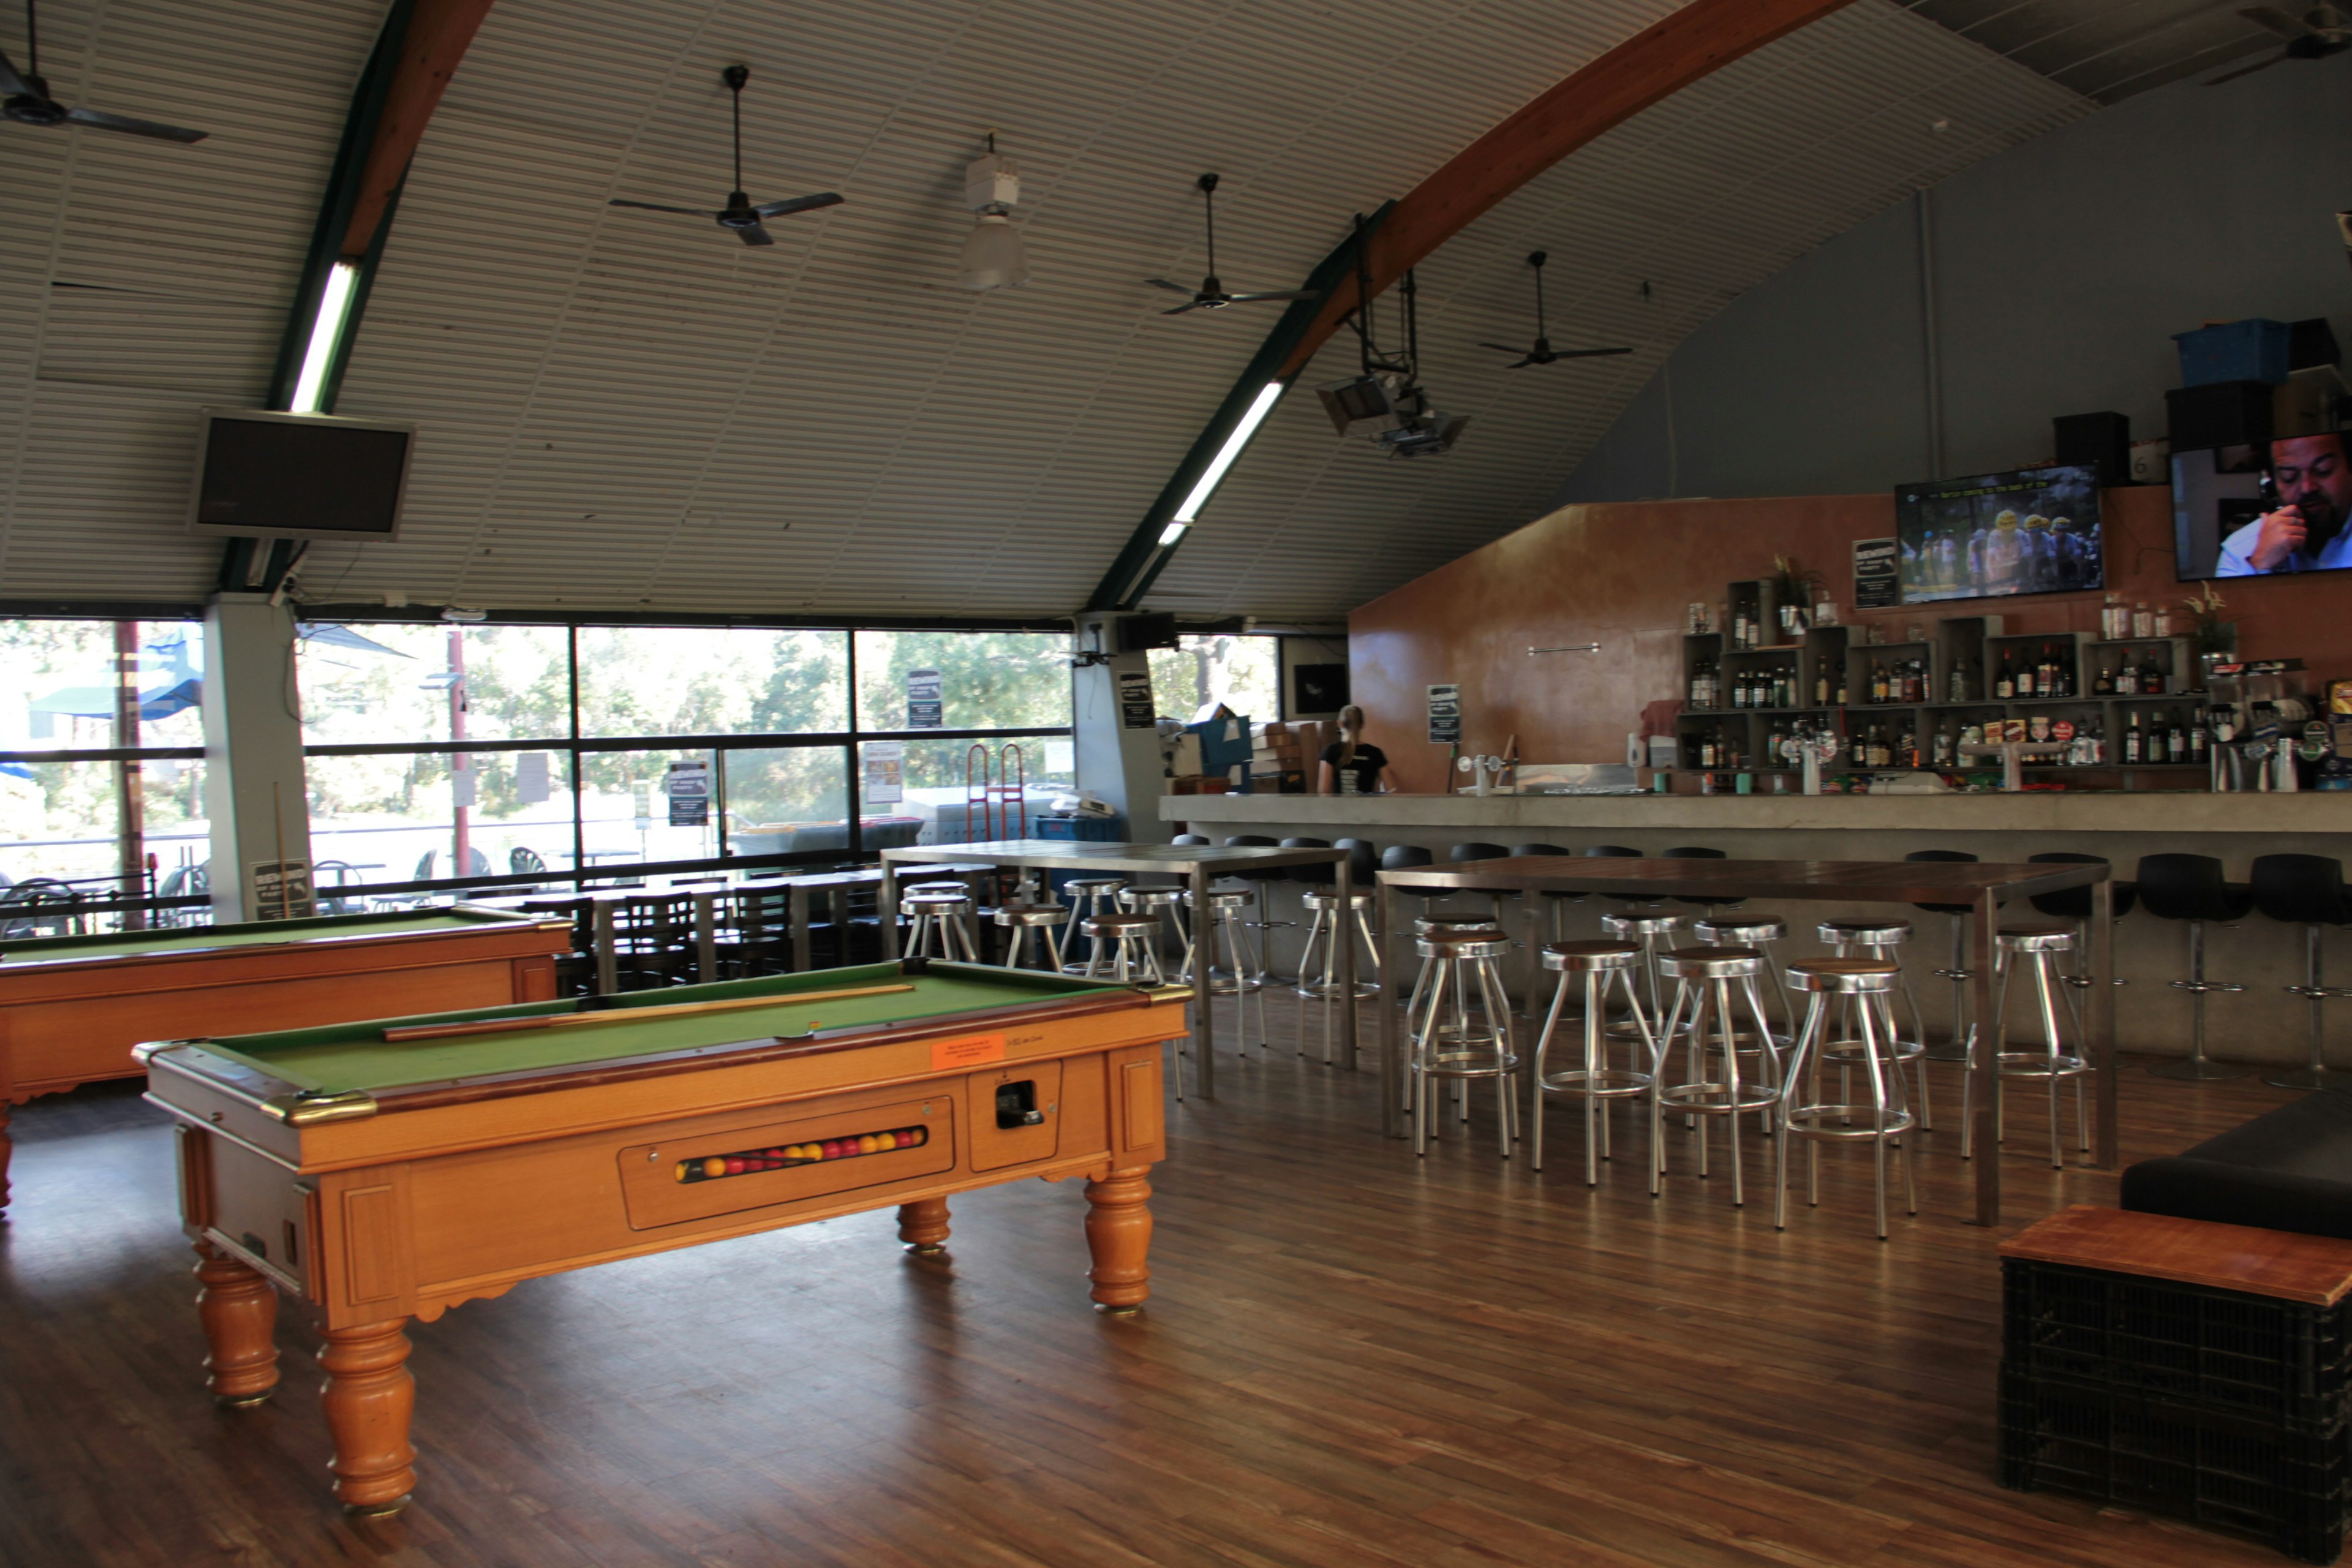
x=2263, y=1023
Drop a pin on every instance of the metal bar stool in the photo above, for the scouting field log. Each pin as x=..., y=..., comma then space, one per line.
x=2033, y=947
x=1425, y=926
x=1866, y=985
x=1554, y=907
x=940, y=925
x=1261, y=883
x=2306, y=890
x=1760, y=932
x=1156, y=901
x=1878, y=940
x=1464, y=1052
x=1090, y=897
x=1224, y=933
x=1957, y=971
x=2190, y=888
x=1045, y=921
x=1326, y=929
x=1704, y=977
x=1599, y=964
x=1134, y=952
x=1647, y=929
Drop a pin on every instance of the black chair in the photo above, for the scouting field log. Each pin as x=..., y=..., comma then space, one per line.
x=524, y=862
x=1555, y=904
x=1475, y=849
x=2190, y=888
x=2075, y=904
x=2306, y=890
x=1619, y=852
x=1192, y=839
x=1259, y=881
x=1956, y=1048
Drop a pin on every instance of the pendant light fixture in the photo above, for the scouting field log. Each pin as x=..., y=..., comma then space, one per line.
x=994, y=256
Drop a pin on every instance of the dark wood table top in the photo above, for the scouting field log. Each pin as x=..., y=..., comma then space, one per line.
x=2315, y=1270
x=1869, y=881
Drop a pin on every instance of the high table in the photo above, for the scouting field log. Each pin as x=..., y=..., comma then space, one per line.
x=1986, y=886
x=1198, y=864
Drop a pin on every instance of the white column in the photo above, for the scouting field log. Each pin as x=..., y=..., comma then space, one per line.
x=254, y=787
x=1119, y=761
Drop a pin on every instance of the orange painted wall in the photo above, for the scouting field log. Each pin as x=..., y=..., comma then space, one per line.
x=1622, y=573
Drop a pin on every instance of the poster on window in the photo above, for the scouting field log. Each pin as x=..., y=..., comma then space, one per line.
x=926, y=706
x=886, y=772
x=689, y=793
x=534, y=782
x=281, y=890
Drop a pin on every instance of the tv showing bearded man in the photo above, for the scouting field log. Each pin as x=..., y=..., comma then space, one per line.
x=2264, y=510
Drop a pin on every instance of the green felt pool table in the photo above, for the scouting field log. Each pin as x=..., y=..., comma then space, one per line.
x=72, y=1006
x=389, y=1170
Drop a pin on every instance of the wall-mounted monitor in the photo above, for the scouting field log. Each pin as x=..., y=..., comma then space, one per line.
x=2219, y=509
x=262, y=475
x=2033, y=531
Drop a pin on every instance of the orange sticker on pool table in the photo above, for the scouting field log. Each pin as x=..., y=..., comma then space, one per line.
x=966, y=1051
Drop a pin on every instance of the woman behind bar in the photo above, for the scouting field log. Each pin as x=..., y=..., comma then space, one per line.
x=1349, y=767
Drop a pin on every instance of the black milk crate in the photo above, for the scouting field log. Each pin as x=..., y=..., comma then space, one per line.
x=2285, y=1364
x=2221, y=1471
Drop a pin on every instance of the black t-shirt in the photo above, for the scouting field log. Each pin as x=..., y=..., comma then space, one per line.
x=1361, y=777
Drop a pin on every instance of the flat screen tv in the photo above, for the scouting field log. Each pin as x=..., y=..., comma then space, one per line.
x=2220, y=510
x=2033, y=531
x=262, y=475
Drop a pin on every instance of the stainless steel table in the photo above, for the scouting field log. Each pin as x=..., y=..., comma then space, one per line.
x=1986, y=886
x=1198, y=864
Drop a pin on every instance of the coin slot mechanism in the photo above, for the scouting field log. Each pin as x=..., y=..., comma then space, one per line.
x=1017, y=1105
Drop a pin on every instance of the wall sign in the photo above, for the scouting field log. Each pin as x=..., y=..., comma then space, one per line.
x=1874, y=576
x=1446, y=715
x=281, y=890
x=1135, y=708
x=926, y=708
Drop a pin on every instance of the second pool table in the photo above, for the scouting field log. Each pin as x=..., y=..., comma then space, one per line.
x=389, y=1170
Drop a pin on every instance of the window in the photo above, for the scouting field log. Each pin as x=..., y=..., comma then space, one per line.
x=98, y=812
x=1245, y=673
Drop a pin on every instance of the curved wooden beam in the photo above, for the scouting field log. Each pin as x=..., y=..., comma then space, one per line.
x=439, y=33
x=1654, y=64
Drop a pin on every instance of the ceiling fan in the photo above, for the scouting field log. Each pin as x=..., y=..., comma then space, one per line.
x=1211, y=295
x=746, y=220
x=1543, y=353
x=25, y=97
x=2318, y=33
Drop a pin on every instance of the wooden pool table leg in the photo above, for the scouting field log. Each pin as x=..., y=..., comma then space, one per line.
x=369, y=1395
x=239, y=1311
x=923, y=1226
x=1118, y=1236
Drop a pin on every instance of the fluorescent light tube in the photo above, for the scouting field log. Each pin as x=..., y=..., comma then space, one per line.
x=1172, y=534
x=1258, y=409
x=334, y=309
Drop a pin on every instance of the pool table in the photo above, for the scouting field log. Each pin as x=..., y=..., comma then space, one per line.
x=72, y=1006
x=391, y=1170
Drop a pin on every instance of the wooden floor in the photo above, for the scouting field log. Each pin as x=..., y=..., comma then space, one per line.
x=1350, y=1358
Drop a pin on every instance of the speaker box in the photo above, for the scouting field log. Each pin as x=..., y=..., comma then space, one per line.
x=2218, y=414
x=2311, y=344
x=2101, y=441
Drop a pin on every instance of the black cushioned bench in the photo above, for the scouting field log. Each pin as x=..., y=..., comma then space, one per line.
x=2288, y=1169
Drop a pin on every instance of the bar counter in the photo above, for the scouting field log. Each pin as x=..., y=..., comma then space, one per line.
x=2261, y=1025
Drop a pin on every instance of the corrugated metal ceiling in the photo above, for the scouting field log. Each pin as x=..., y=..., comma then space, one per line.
x=625, y=410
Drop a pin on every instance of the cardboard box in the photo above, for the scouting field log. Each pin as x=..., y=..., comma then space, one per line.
x=1197, y=785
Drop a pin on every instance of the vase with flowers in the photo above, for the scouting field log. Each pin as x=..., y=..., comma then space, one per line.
x=2214, y=639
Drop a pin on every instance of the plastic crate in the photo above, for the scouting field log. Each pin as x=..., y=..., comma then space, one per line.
x=2290, y=1489
x=2253, y=350
x=2258, y=1358
x=1086, y=829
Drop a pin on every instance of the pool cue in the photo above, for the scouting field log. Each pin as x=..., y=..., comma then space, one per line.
x=277, y=820
x=628, y=1014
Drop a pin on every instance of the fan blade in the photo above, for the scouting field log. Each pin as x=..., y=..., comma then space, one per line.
x=798, y=204
x=1275, y=294
x=752, y=234
x=1503, y=348
x=98, y=121
x=1172, y=288
x=653, y=207
x=2261, y=64
x=2274, y=19
x=13, y=84
x=1189, y=305
x=1586, y=353
x=1523, y=364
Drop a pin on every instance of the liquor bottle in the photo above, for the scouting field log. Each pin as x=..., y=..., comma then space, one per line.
x=2200, y=738
x=1741, y=690
x=1915, y=686
x=1776, y=747
x=1821, y=687
x=1722, y=747
x=2005, y=687
x=1957, y=690
x=2046, y=676
x=2133, y=741
x=2104, y=686
x=2126, y=676
x=1879, y=756
x=1703, y=751
x=2024, y=686
x=2151, y=677
x=1906, y=749
x=2176, y=739
x=1861, y=749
